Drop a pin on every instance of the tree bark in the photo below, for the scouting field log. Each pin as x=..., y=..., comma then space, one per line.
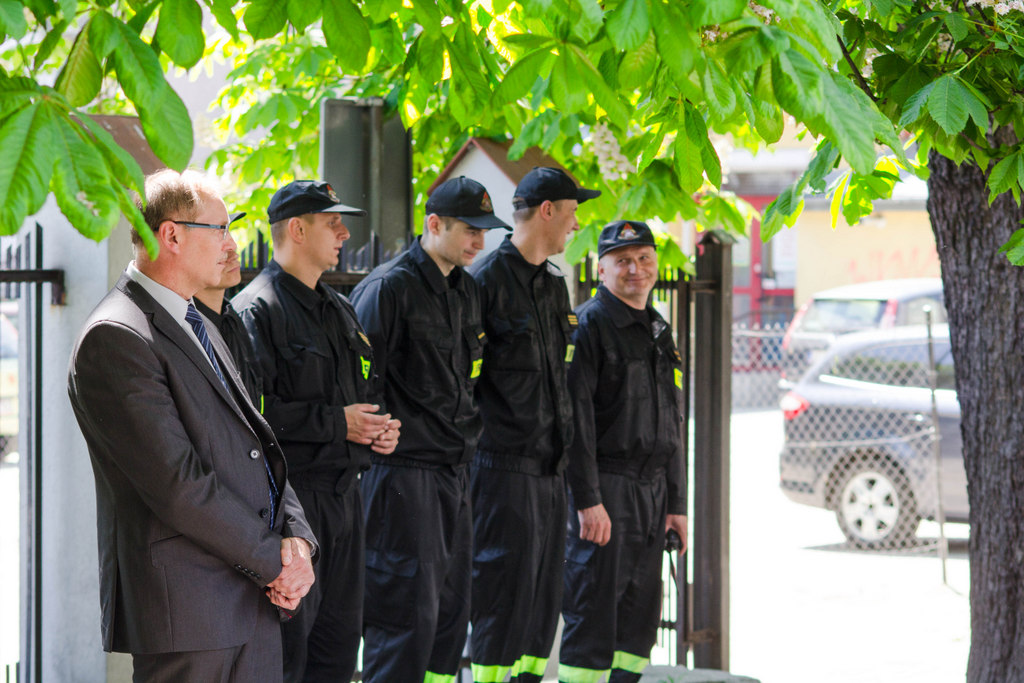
x=985, y=300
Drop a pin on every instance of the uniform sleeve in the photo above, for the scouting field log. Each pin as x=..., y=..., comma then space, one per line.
x=582, y=379
x=124, y=404
x=375, y=307
x=295, y=421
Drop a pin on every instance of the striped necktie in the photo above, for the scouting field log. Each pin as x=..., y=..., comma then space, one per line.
x=193, y=318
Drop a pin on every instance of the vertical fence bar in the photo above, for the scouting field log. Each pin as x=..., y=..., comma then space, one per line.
x=712, y=412
x=684, y=617
x=940, y=511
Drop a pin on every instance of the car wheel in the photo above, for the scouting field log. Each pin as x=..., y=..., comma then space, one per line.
x=875, y=506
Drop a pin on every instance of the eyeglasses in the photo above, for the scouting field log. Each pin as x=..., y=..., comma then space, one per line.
x=210, y=226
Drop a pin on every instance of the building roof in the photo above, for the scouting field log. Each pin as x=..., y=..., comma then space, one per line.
x=497, y=152
x=127, y=132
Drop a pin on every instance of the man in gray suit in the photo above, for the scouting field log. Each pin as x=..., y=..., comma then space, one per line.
x=200, y=535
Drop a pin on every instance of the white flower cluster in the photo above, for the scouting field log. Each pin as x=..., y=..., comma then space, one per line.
x=610, y=160
x=763, y=12
x=1001, y=7
x=711, y=35
x=944, y=42
x=869, y=58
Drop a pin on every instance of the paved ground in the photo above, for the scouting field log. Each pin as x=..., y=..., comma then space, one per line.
x=804, y=609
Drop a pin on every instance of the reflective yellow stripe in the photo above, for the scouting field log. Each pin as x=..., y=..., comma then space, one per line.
x=531, y=665
x=577, y=674
x=261, y=404
x=570, y=349
x=629, y=662
x=489, y=674
x=431, y=677
x=477, y=365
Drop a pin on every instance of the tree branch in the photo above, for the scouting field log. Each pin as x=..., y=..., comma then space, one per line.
x=860, y=77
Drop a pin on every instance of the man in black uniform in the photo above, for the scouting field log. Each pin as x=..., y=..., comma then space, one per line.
x=519, y=506
x=218, y=311
x=422, y=313
x=627, y=484
x=319, y=396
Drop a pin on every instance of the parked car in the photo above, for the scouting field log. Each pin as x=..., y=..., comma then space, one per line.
x=859, y=435
x=8, y=385
x=882, y=304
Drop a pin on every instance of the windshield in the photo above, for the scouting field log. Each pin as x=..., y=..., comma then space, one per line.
x=842, y=315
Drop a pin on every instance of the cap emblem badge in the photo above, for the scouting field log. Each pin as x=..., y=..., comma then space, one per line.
x=485, y=204
x=628, y=233
x=333, y=195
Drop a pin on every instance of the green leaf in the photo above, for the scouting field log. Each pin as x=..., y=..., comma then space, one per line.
x=567, y=89
x=126, y=170
x=798, y=85
x=1006, y=174
x=651, y=150
x=915, y=105
x=637, y=66
x=12, y=19
x=16, y=93
x=676, y=43
x=302, y=13
x=49, y=43
x=697, y=132
x=81, y=183
x=708, y=12
x=825, y=159
x=347, y=34
x=168, y=127
x=522, y=75
x=947, y=104
x=26, y=164
x=956, y=25
x=223, y=12
x=688, y=165
x=80, y=79
x=180, y=31
x=585, y=240
x=137, y=66
x=603, y=93
x=589, y=21
x=821, y=28
x=104, y=35
x=849, y=125
x=266, y=18
x=718, y=90
x=628, y=24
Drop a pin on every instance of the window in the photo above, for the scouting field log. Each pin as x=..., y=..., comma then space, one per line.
x=897, y=364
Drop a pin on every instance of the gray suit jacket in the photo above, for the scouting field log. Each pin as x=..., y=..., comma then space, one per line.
x=181, y=487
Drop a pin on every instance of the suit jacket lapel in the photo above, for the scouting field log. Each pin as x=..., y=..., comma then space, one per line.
x=171, y=329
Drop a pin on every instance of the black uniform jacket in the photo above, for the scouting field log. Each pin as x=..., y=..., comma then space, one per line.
x=231, y=329
x=428, y=341
x=523, y=397
x=626, y=386
x=315, y=360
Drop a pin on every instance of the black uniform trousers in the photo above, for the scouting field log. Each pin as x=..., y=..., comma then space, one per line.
x=418, y=567
x=612, y=601
x=518, y=553
x=321, y=642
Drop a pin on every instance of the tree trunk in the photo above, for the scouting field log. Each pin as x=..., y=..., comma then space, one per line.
x=985, y=301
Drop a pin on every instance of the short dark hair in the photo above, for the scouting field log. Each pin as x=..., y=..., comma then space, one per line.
x=524, y=214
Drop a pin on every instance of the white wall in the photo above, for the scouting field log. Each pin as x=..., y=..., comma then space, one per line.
x=70, y=618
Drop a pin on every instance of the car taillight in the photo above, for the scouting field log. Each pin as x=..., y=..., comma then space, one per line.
x=795, y=323
x=889, y=316
x=793, y=404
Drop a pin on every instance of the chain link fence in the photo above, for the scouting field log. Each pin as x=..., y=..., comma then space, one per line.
x=871, y=429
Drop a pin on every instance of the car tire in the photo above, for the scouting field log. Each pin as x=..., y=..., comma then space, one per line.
x=875, y=506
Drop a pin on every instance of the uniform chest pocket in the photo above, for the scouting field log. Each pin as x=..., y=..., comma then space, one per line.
x=427, y=357
x=514, y=344
x=305, y=367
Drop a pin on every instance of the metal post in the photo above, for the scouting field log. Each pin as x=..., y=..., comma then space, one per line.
x=684, y=616
x=712, y=411
x=940, y=511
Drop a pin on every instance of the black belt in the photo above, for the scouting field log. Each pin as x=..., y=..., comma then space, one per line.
x=508, y=462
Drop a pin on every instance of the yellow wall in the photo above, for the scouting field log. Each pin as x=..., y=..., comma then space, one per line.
x=889, y=244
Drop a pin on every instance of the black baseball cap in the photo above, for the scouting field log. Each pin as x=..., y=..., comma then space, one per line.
x=546, y=183
x=624, y=234
x=238, y=215
x=300, y=197
x=466, y=200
